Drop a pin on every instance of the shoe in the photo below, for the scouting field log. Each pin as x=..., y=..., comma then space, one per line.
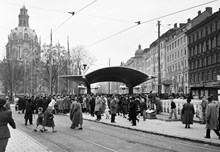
x=113, y=122
x=54, y=131
x=133, y=125
x=25, y=124
x=35, y=130
x=80, y=128
x=45, y=129
x=185, y=126
x=72, y=127
x=207, y=137
x=41, y=130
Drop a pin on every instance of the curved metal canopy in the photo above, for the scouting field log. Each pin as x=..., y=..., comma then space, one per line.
x=128, y=76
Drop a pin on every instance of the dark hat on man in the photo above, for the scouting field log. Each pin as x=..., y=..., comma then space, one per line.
x=2, y=101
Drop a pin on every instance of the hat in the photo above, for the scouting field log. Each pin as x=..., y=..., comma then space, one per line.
x=6, y=97
x=2, y=101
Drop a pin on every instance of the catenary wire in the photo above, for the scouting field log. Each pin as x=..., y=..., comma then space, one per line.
x=144, y=22
x=70, y=18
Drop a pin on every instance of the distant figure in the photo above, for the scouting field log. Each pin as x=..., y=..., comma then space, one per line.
x=39, y=118
x=7, y=104
x=113, y=109
x=173, y=109
x=187, y=113
x=107, y=113
x=28, y=116
x=5, y=118
x=204, y=104
x=211, y=118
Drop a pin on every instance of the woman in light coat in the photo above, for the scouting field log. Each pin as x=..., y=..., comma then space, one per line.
x=98, y=105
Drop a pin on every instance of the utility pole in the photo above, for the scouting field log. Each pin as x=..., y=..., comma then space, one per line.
x=50, y=66
x=159, y=70
x=58, y=69
x=68, y=65
x=109, y=83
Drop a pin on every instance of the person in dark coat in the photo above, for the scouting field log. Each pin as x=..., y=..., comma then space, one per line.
x=133, y=111
x=5, y=119
x=29, y=112
x=211, y=118
x=92, y=106
x=124, y=105
x=187, y=113
x=48, y=120
x=77, y=117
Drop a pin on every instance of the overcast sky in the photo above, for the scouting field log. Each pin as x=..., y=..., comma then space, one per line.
x=93, y=26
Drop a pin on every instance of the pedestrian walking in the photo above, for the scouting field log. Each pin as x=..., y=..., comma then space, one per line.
x=211, y=118
x=5, y=119
x=187, y=113
x=48, y=120
x=204, y=104
x=77, y=117
x=39, y=118
x=173, y=109
x=7, y=104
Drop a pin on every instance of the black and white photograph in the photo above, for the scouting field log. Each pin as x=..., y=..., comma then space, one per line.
x=109, y=75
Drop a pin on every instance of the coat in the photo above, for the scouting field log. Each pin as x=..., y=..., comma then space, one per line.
x=113, y=107
x=77, y=118
x=6, y=118
x=48, y=118
x=211, y=116
x=98, y=104
x=187, y=113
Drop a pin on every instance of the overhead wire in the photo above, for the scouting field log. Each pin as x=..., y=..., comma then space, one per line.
x=73, y=13
x=144, y=22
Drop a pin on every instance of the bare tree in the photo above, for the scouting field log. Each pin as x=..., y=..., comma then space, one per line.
x=58, y=63
x=80, y=57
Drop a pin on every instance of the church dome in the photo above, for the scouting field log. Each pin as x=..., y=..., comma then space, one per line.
x=139, y=51
x=23, y=33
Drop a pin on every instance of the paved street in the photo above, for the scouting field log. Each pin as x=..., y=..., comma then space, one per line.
x=105, y=136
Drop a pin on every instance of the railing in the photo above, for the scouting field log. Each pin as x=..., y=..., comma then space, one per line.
x=166, y=108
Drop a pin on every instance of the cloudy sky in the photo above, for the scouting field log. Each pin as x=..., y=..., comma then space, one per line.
x=106, y=28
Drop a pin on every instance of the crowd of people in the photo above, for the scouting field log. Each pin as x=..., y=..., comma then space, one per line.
x=130, y=107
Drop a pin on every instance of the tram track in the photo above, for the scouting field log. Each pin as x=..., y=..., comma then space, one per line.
x=102, y=147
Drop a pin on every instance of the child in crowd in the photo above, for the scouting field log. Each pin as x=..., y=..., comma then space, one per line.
x=39, y=118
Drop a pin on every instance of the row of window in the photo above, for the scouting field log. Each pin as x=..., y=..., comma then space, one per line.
x=177, y=66
x=205, y=46
x=205, y=31
x=180, y=78
x=210, y=75
x=176, y=43
x=178, y=54
x=206, y=61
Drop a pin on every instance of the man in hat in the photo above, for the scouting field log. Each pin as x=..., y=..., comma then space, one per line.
x=5, y=118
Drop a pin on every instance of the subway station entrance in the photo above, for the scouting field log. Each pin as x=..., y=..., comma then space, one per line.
x=128, y=76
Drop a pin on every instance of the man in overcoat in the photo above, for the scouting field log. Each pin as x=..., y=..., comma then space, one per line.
x=211, y=118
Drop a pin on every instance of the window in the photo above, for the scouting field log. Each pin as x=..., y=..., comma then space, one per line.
x=203, y=76
x=185, y=51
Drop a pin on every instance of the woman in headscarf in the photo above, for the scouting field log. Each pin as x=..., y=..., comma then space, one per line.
x=48, y=120
x=76, y=112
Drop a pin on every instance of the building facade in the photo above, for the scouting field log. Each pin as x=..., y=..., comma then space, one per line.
x=204, y=57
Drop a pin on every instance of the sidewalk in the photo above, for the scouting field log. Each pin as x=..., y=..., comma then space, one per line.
x=163, y=126
x=21, y=142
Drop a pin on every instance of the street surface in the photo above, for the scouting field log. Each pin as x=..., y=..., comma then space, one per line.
x=97, y=137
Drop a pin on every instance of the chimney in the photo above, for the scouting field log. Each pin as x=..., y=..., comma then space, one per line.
x=175, y=25
x=209, y=9
x=188, y=20
x=199, y=13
